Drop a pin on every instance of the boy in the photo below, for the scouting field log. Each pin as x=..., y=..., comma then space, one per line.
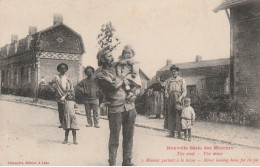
x=187, y=118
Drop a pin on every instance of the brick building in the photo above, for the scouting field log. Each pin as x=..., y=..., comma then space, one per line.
x=26, y=62
x=210, y=76
x=244, y=18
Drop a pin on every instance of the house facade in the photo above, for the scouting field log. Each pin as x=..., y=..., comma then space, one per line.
x=244, y=18
x=27, y=62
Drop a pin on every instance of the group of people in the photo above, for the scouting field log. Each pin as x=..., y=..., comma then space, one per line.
x=118, y=82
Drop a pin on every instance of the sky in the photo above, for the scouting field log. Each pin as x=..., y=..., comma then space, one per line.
x=157, y=30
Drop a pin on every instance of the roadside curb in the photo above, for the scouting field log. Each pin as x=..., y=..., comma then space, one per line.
x=137, y=125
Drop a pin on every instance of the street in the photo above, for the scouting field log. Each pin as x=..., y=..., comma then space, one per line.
x=30, y=135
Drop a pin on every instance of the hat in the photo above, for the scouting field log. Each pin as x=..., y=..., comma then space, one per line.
x=174, y=67
x=58, y=67
x=102, y=52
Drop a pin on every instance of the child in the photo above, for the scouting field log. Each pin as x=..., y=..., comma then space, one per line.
x=188, y=118
x=69, y=119
x=127, y=65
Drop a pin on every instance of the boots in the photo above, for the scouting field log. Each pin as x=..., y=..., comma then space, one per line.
x=74, y=137
x=128, y=163
x=66, y=137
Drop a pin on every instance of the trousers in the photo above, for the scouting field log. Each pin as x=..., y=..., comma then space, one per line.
x=95, y=108
x=61, y=112
x=125, y=119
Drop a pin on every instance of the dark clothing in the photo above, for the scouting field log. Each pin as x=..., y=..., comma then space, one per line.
x=120, y=113
x=127, y=120
x=112, y=87
x=173, y=116
x=175, y=88
x=90, y=105
x=61, y=107
x=89, y=88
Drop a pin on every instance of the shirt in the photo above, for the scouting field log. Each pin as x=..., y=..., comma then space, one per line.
x=112, y=87
x=177, y=84
x=89, y=88
x=61, y=89
x=64, y=81
x=188, y=113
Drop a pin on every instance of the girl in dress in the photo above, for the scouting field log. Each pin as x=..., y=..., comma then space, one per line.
x=69, y=119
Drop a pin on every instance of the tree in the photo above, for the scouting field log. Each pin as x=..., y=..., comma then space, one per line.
x=108, y=37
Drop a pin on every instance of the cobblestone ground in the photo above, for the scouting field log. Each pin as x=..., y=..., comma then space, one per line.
x=235, y=134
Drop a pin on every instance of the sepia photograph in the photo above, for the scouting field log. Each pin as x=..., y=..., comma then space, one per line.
x=130, y=83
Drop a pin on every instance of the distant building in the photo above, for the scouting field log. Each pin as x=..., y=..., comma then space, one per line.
x=144, y=80
x=209, y=76
x=244, y=18
x=26, y=62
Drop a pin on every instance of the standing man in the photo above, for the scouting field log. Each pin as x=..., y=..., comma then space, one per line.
x=175, y=92
x=90, y=90
x=121, y=109
x=62, y=84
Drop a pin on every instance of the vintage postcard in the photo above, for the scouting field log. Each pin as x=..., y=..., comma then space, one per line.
x=129, y=83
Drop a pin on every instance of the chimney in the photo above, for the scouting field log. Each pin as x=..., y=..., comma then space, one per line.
x=168, y=62
x=14, y=38
x=32, y=30
x=198, y=58
x=57, y=19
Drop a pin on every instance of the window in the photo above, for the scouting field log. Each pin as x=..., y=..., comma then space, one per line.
x=17, y=76
x=191, y=91
x=22, y=72
x=3, y=77
x=29, y=74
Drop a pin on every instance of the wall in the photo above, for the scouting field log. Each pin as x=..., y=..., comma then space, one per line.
x=246, y=53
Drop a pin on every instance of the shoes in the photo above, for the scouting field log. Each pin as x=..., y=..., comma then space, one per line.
x=172, y=134
x=60, y=126
x=128, y=163
x=88, y=125
x=111, y=163
x=189, y=139
x=65, y=141
x=75, y=142
x=96, y=126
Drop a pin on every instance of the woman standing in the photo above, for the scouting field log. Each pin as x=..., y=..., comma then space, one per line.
x=175, y=91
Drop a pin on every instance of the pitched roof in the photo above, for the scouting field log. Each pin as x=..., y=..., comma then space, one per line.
x=23, y=43
x=141, y=71
x=230, y=3
x=205, y=63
